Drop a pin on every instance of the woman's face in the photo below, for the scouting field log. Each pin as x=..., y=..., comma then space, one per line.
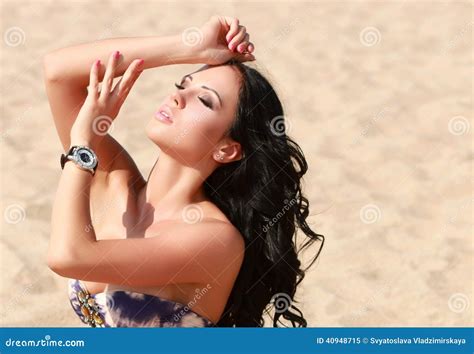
x=201, y=110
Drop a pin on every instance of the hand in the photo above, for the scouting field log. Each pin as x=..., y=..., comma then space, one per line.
x=101, y=107
x=223, y=39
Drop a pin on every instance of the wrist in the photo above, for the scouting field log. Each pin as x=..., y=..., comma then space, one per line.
x=183, y=52
x=84, y=141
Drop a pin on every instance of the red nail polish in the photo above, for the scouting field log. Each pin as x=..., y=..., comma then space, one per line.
x=140, y=62
x=97, y=62
x=117, y=54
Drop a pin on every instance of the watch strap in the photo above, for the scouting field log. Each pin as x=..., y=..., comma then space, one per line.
x=64, y=157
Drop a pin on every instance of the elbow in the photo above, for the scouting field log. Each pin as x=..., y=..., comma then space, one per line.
x=50, y=68
x=61, y=263
x=57, y=265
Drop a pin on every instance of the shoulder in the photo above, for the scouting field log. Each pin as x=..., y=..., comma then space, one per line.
x=211, y=231
x=211, y=240
x=206, y=218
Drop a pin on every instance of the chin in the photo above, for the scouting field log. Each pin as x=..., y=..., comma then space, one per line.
x=164, y=137
x=158, y=133
x=175, y=142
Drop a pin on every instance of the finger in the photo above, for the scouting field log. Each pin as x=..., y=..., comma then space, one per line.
x=243, y=45
x=237, y=38
x=251, y=47
x=109, y=75
x=234, y=28
x=245, y=57
x=122, y=88
x=93, y=87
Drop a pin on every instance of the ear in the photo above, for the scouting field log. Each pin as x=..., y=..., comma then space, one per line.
x=228, y=152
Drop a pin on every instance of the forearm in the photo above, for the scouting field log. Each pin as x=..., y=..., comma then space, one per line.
x=71, y=231
x=73, y=63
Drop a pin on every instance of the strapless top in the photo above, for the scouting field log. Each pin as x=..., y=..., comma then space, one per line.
x=120, y=308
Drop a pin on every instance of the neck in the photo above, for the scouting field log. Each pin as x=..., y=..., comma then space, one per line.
x=172, y=185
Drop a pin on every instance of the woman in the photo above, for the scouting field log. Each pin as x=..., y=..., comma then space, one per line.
x=207, y=239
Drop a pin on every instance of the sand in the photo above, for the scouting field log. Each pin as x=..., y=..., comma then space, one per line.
x=379, y=96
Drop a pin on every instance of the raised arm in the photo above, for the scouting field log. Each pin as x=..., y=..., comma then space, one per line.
x=66, y=74
x=66, y=77
x=71, y=64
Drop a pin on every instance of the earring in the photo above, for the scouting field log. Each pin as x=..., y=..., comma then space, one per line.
x=218, y=156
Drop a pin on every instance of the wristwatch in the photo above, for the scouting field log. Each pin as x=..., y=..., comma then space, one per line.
x=84, y=157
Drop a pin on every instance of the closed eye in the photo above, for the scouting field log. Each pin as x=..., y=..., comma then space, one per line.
x=204, y=102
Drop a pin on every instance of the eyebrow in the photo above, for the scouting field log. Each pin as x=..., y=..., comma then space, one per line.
x=204, y=87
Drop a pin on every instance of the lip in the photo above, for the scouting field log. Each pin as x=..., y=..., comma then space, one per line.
x=162, y=117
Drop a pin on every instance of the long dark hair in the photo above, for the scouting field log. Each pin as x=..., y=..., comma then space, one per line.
x=261, y=195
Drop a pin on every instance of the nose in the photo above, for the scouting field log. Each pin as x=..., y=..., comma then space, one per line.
x=177, y=99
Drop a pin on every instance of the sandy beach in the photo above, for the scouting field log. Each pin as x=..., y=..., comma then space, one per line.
x=379, y=96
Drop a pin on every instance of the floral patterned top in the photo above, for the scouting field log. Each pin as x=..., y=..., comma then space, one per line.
x=120, y=308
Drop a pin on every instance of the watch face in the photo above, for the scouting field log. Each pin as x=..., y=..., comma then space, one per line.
x=86, y=158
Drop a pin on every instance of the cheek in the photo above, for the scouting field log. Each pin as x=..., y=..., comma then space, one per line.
x=203, y=126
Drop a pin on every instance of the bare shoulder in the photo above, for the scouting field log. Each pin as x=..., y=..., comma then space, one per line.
x=220, y=245
x=226, y=233
x=211, y=231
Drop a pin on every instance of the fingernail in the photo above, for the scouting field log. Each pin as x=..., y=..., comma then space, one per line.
x=140, y=62
x=97, y=63
x=117, y=54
